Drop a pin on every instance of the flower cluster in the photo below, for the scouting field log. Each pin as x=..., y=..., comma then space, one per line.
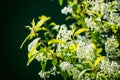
x=106, y=11
x=109, y=68
x=46, y=74
x=66, y=66
x=91, y=24
x=63, y=35
x=85, y=51
x=40, y=57
x=111, y=45
x=66, y=10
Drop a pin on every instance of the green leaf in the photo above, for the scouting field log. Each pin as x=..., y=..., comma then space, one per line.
x=95, y=36
x=80, y=75
x=24, y=41
x=91, y=64
x=60, y=2
x=118, y=38
x=52, y=24
x=93, y=45
x=54, y=62
x=69, y=73
x=43, y=64
x=68, y=18
x=74, y=8
x=80, y=31
x=98, y=60
x=73, y=47
x=31, y=59
x=55, y=41
x=99, y=50
x=33, y=43
x=103, y=77
x=42, y=28
x=33, y=23
x=43, y=19
x=64, y=74
x=33, y=50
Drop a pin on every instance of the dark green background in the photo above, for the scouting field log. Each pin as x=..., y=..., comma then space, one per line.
x=15, y=14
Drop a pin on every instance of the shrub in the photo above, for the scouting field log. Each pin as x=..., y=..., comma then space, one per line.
x=88, y=48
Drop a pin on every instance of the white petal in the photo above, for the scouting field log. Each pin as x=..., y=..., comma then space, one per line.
x=33, y=43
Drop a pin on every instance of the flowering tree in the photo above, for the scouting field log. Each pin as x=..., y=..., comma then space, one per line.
x=86, y=49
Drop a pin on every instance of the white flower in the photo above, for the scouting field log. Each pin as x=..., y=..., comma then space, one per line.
x=91, y=24
x=64, y=35
x=44, y=74
x=85, y=51
x=65, y=66
x=40, y=57
x=54, y=71
x=111, y=45
x=66, y=10
x=109, y=68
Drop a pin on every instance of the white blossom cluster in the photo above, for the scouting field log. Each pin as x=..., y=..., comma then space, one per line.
x=66, y=10
x=91, y=24
x=111, y=45
x=40, y=57
x=109, y=68
x=66, y=65
x=63, y=35
x=85, y=51
x=114, y=18
x=46, y=74
x=107, y=11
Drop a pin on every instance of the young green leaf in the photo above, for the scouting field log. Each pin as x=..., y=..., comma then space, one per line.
x=52, y=24
x=74, y=8
x=73, y=47
x=33, y=50
x=99, y=50
x=95, y=36
x=33, y=23
x=93, y=45
x=24, y=41
x=55, y=41
x=31, y=59
x=43, y=64
x=80, y=31
x=98, y=60
x=91, y=64
x=60, y=2
x=43, y=19
x=103, y=77
x=64, y=74
x=118, y=38
x=54, y=62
